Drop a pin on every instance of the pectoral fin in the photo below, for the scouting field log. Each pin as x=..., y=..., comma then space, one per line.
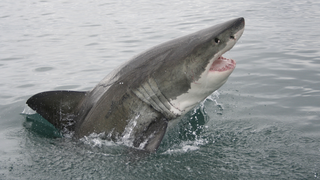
x=57, y=107
x=151, y=138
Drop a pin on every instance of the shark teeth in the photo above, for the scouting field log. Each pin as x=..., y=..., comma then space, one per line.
x=223, y=64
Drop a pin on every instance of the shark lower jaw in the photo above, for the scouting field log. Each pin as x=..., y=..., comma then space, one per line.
x=222, y=64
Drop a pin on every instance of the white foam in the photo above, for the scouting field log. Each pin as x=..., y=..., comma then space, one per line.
x=96, y=140
x=27, y=110
x=127, y=135
x=186, y=146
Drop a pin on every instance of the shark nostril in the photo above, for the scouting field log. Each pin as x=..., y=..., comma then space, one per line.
x=232, y=37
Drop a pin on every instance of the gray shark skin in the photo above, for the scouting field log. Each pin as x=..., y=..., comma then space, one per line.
x=135, y=102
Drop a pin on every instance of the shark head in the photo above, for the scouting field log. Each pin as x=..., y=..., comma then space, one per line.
x=175, y=76
x=193, y=66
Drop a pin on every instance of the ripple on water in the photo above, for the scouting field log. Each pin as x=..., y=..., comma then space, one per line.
x=257, y=134
x=25, y=86
x=43, y=69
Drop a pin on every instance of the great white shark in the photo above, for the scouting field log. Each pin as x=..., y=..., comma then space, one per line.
x=137, y=100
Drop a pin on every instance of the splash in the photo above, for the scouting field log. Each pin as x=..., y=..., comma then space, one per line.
x=97, y=140
x=128, y=134
x=27, y=111
x=186, y=146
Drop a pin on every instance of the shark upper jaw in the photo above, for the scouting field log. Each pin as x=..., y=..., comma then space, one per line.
x=215, y=75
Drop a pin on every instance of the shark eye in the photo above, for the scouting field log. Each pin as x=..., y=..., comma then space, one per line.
x=217, y=40
x=232, y=37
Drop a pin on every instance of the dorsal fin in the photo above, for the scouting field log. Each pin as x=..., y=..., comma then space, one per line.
x=58, y=107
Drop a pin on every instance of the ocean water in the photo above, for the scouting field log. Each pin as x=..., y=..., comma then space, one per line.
x=264, y=123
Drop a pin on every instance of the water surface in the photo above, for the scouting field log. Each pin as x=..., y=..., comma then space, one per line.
x=264, y=123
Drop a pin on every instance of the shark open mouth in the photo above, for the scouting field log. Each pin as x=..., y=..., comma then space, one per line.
x=223, y=64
